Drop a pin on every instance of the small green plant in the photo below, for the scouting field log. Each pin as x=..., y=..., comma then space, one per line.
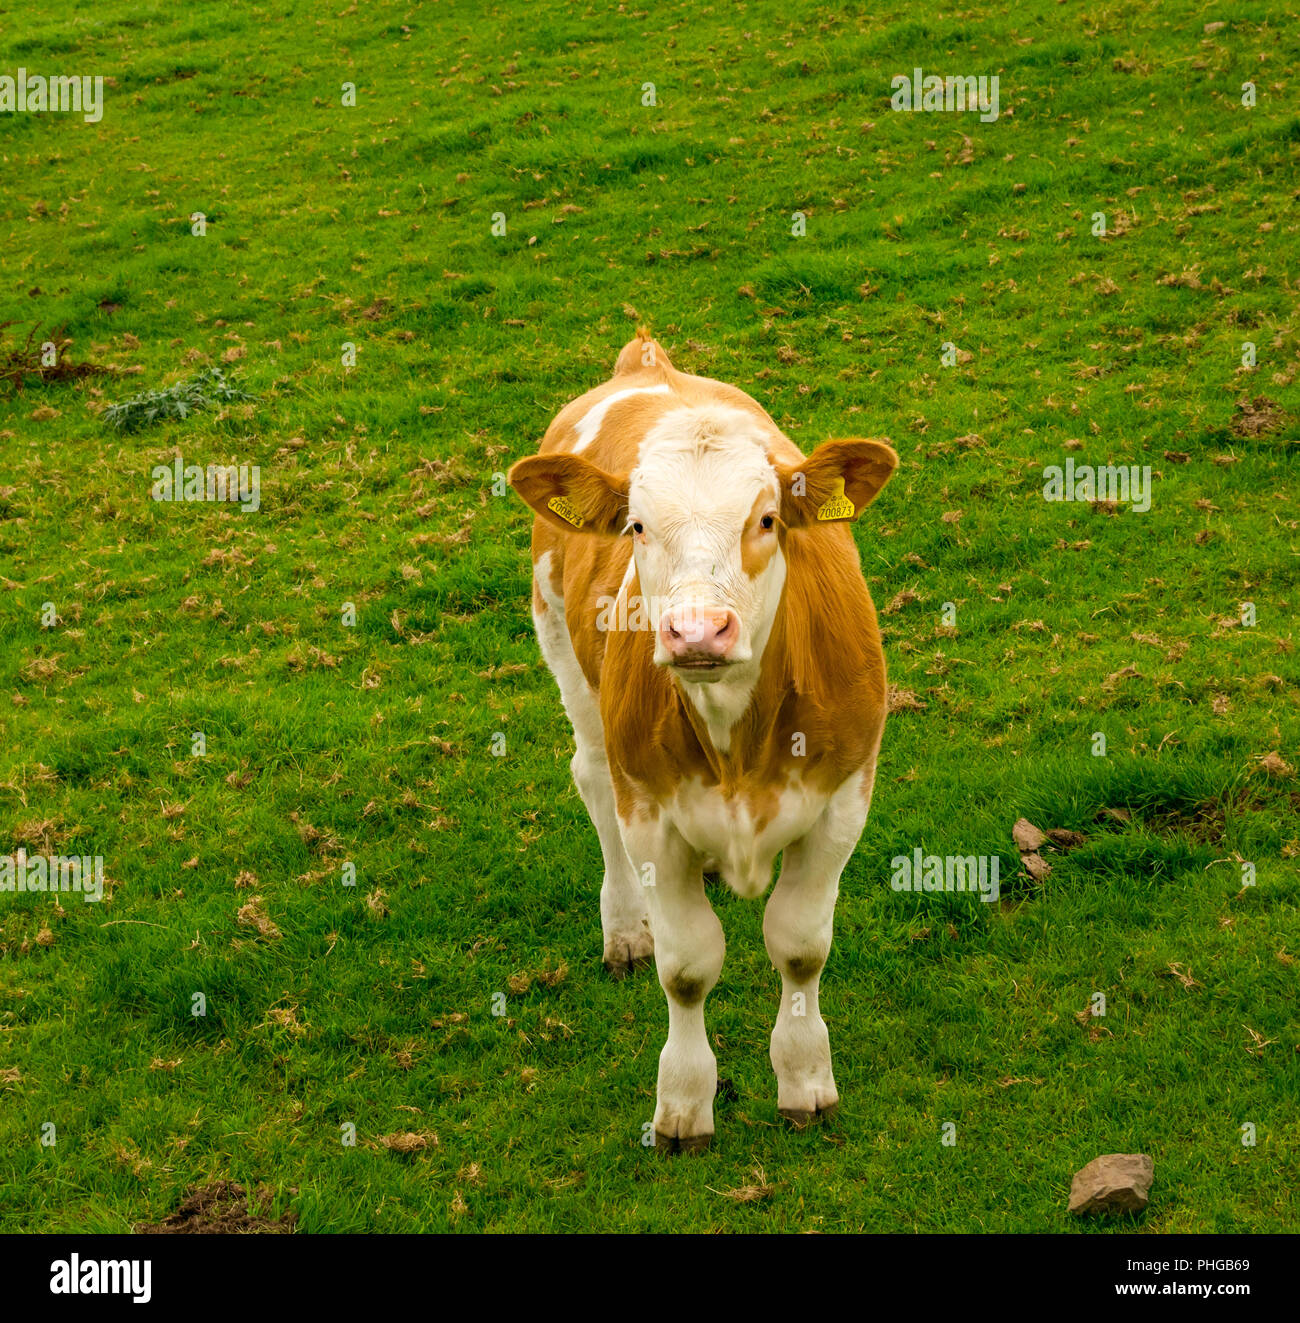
x=204, y=390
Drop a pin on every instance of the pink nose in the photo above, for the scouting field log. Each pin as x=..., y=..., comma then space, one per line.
x=688, y=632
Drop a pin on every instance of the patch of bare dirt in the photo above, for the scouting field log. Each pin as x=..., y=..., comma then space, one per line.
x=1257, y=417
x=217, y=1209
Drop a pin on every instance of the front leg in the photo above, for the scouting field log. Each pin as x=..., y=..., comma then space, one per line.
x=797, y=927
x=689, y=949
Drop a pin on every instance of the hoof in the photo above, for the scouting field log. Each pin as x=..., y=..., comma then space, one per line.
x=801, y=1120
x=620, y=966
x=626, y=954
x=681, y=1143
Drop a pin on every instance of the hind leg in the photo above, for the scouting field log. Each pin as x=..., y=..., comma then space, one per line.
x=624, y=912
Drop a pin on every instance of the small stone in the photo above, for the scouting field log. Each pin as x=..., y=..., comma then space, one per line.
x=1027, y=836
x=1037, y=866
x=1112, y=1183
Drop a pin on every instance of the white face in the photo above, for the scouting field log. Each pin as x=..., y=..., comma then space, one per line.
x=702, y=510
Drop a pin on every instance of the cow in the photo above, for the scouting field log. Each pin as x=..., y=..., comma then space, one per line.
x=697, y=595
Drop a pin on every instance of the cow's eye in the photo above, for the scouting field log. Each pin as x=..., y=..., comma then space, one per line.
x=767, y=522
x=638, y=529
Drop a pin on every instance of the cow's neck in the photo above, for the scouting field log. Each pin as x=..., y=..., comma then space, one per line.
x=716, y=709
x=725, y=715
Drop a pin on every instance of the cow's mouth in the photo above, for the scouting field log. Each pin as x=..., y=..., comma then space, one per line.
x=700, y=666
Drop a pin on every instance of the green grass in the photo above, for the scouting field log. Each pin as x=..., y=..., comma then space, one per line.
x=371, y=225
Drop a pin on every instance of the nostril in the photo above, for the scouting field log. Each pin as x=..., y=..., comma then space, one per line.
x=707, y=631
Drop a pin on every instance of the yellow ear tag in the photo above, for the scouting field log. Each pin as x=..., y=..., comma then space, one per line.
x=839, y=506
x=567, y=511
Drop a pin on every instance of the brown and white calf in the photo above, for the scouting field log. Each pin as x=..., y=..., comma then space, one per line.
x=698, y=597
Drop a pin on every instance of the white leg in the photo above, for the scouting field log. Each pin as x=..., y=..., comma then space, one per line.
x=797, y=926
x=624, y=914
x=689, y=949
x=624, y=911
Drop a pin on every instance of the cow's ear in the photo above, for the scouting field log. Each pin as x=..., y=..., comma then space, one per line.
x=572, y=494
x=837, y=481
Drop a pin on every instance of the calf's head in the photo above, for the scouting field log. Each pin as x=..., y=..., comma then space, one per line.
x=707, y=508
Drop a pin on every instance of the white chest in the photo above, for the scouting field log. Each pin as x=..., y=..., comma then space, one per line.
x=743, y=833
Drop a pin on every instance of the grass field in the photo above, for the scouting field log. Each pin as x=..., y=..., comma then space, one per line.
x=371, y=225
